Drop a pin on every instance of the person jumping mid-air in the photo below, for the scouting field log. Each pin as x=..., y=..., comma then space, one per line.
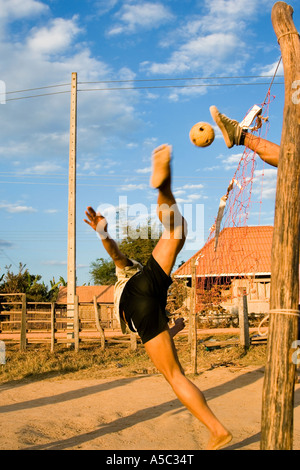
x=141, y=295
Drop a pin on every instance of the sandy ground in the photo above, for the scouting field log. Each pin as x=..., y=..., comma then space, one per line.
x=138, y=413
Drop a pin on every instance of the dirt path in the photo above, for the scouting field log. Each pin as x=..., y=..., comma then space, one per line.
x=137, y=413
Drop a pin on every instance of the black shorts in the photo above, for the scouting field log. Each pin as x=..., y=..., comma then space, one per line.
x=144, y=300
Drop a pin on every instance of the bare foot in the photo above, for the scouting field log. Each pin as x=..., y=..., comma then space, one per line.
x=217, y=442
x=161, y=158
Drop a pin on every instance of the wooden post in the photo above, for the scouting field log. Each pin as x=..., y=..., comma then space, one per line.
x=53, y=330
x=244, y=322
x=278, y=390
x=71, y=276
x=23, y=339
x=190, y=320
x=2, y=353
x=98, y=324
x=76, y=323
x=193, y=319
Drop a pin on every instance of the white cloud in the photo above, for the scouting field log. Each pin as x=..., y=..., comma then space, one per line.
x=140, y=16
x=51, y=211
x=57, y=36
x=16, y=208
x=178, y=192
x=44, y=168
x=104, y=6
x=230, y=15
x=133, y=187
x=270, y=69
x=13, y=148
x=207, y=53
x=54, y=263
x=211, y=168
x=12, y=9
x=265, y=183
x=182, y=196
x=146, y=170
x=231, y=161
x=227, y=15
x=180, y=200
x=206, y=42
x=194, y=197
x=193, y=186
x=38, y=128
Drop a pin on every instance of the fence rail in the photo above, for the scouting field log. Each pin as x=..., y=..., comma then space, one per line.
x=47, y=322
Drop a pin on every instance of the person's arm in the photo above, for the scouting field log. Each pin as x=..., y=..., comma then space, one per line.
x=99, y=224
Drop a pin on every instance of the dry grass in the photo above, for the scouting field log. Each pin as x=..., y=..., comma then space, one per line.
x=116, y=360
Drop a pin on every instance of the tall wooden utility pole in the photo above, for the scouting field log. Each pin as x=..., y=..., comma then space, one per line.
x=71, y=279
x=278, y=391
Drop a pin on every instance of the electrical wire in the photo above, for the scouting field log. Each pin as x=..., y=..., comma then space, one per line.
x=121, y=88
x=37, y=88
x=37, y=96
x=177, y=79
x=177, y=86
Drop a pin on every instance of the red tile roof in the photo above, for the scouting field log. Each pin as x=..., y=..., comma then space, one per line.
x=240, y=251
x=104, y=294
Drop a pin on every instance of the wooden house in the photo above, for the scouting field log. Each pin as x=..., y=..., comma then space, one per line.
x=241, y=264
x=103, y=296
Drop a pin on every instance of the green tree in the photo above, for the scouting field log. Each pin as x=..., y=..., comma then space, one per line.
x=24, y=282
x=54, y=288
x=103, y=272
x=138, y=245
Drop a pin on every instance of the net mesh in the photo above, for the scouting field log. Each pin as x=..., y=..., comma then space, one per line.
x=236, y=258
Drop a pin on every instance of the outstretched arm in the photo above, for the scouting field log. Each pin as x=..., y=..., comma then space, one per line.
x=99, y=224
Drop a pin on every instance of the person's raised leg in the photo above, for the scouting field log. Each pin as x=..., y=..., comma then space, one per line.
x=234, y=134
x=174, y=234
x=266, y=150
x=161, y=351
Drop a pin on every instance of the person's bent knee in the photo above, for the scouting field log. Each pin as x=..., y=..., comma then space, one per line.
x=174, y=375
x=177, y=232
x=180, y=234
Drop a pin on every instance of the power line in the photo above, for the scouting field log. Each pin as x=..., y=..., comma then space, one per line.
x=178, y=79
x=178, y=86
x=142, y=87
x=133, y=80
x=34, y=89
x=131, y=180
x=82, y=176
x=37, y=96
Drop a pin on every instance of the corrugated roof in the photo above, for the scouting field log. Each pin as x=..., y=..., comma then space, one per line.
x=104, y=294
x=240, y=251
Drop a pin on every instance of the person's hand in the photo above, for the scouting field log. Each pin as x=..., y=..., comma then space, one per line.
x=179, y=323
x=178, y=326
x=96, y=221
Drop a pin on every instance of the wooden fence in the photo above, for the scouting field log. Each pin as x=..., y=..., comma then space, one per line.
x=47, y=322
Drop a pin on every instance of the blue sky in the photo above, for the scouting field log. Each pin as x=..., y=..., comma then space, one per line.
x=151, y=53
